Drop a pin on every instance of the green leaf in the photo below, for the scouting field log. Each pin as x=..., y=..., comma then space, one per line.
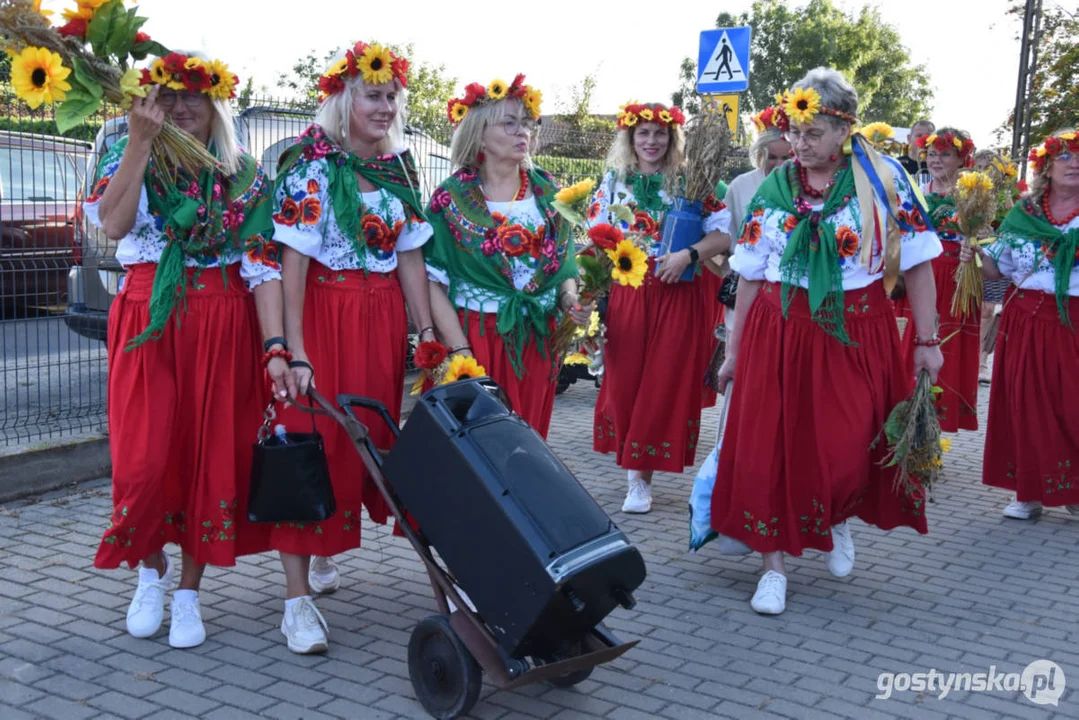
x=622, y=212
x=101, y=27
x=86, y=80
x=567, y=212
x=77, y=106
x=142, y=50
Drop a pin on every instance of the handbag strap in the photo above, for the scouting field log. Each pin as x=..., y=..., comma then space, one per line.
x=270, y=414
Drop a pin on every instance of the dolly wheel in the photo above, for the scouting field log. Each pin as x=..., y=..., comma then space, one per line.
x=575, y=677
x=445, y=676
x=567, y=681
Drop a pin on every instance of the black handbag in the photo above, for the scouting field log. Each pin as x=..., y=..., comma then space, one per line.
x=290, y=478
x=728, y=290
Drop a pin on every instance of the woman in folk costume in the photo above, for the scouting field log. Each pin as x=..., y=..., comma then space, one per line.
x=501, y=260
x=947, y=151
x=1032, y=436
x=815, y=351
x=649, y=408
x=185, y=383
x=348, y=214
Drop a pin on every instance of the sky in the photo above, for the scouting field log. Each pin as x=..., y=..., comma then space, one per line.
x=633, y=49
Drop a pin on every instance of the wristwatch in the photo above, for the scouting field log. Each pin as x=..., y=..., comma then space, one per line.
x=694, y=256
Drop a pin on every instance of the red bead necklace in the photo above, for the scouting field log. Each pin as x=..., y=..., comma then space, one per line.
x=809, y=190
x=1049, y=215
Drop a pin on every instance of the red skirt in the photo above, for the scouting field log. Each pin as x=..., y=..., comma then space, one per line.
x=183, y=414
x=1032, y=437
x=957, y=404
x=356, y=336
x=805, y=409
x=649, y=408
x=532, y=394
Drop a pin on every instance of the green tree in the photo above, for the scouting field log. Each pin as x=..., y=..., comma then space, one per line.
x=429, y=89
x=1054, y=88
x=788, y=42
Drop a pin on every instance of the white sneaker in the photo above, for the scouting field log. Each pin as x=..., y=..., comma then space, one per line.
x=323, y=576
x=639, y=496
x=1023, y=510
x=185, y=624
x=841, y=558
x=771, y=595
x=147, y=607
x=304, y=627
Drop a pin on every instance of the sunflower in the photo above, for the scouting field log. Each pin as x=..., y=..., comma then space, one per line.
x=462, y=368
x=497, y=89
x=629, y=120
x=877, y=132
x=159, y=73
x=36, y=5
x=577, y=358
x=458, y=112
x=533, y=99
x=945, y=444
x=575, y=193
x=39, y=76
x=630, y=264
x=376, y=65
x=647, y=115
x=802, y=104
x=81, y=12
x=222, y=80
x=665, y=117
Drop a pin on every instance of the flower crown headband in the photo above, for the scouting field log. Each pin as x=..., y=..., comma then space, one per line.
x=1054, y=145
x=947, y=141
x=476, y=94
x=377, y=64
x=181, y=72
x=765, y=120
x=801, y=105
x=632, y=113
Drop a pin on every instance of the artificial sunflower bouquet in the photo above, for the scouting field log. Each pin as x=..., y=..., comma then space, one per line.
x=915, y=445
x=87, y=62
x=611, y=256
x=976, y=207
x=439, y=367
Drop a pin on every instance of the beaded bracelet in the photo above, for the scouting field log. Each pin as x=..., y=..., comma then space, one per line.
x=931, y=342
x=271, y=354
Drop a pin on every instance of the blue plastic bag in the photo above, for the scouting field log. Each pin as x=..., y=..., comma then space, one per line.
x=700, y=501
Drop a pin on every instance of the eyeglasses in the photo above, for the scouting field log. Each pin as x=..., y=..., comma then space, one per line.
x=513, y=126
x=811, y=137
x=190, y=99
x=1065, y=157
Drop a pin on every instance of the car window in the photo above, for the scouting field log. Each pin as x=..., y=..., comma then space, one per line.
x=32, y=174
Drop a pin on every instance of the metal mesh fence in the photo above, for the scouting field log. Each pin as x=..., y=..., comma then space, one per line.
x=58, y=275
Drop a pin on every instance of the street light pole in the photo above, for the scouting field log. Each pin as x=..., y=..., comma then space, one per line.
x=1028, y=60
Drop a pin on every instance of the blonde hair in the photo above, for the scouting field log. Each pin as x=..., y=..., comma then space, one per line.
x=622, y=158
x=222, y=127
x=758, y=152
x=335, y=117
x=467, y=142
x=1040, y=180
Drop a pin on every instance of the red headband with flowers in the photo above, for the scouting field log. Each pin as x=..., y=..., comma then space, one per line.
x=1054, y=145
x=476, y=94
x=633, y=113
x=181, y=72
x=948, y=141
x=765, y=120
x=377, y=64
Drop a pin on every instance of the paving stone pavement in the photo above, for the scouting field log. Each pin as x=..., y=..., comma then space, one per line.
x=979, y=591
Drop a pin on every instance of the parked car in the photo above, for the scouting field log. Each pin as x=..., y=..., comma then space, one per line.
x=266, y=131
x=40, y=202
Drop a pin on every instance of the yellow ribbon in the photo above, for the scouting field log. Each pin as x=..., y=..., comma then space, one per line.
x=877, y=218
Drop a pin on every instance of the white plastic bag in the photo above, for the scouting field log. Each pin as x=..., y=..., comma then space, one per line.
x=700, y=500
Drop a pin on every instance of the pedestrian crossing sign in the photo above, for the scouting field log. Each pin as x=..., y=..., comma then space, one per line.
x=723, y=61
